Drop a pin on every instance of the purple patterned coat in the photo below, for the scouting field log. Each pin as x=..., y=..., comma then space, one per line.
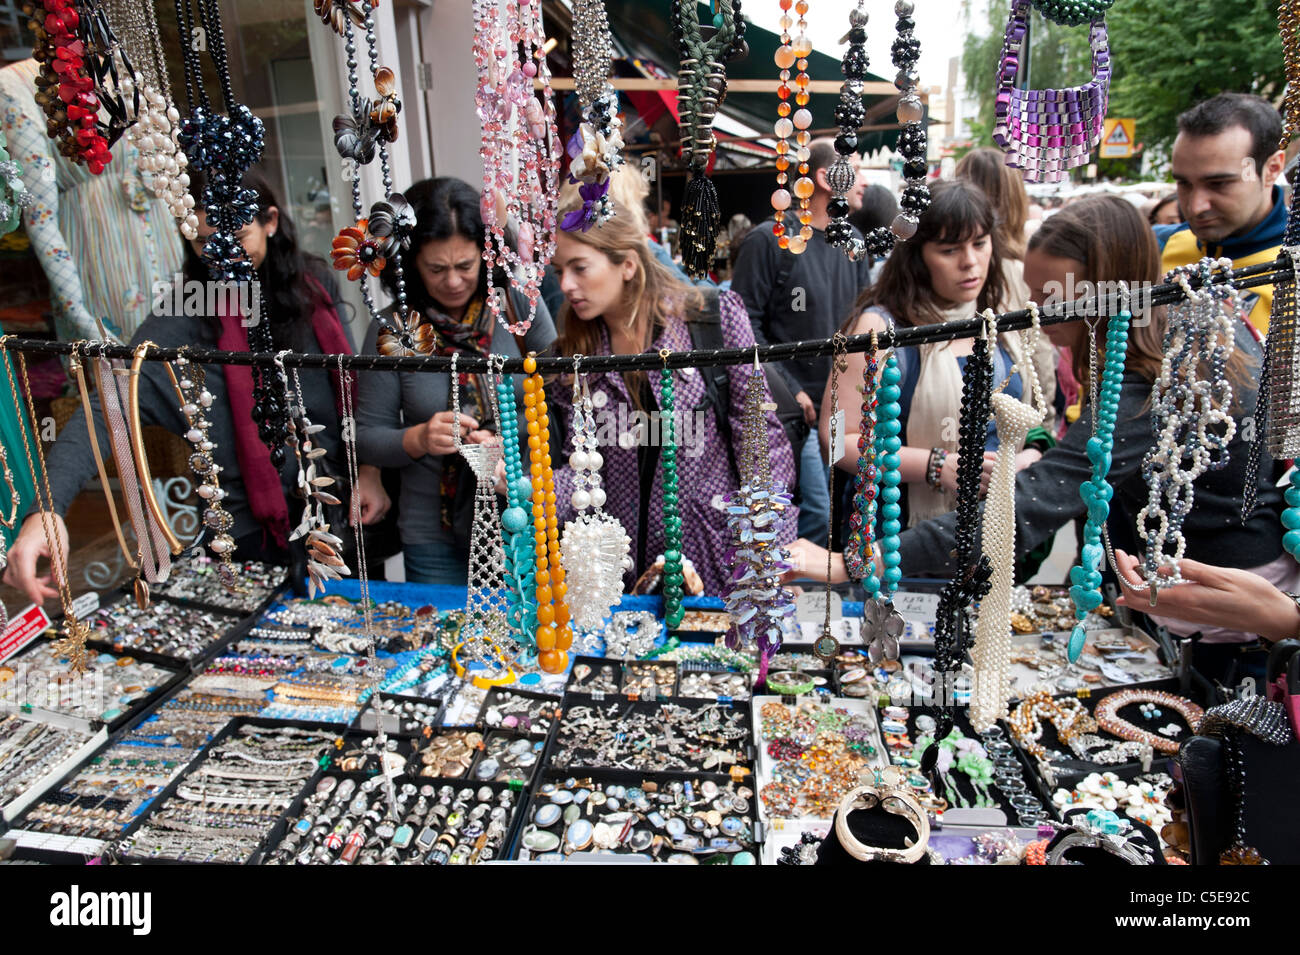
x=705, y=471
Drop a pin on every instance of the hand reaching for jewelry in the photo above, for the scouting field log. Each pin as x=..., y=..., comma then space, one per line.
x=1214, y=596
x=26, y=552
x=374, y=501
x=809, y=562
x=435, y=436
x=948, y=473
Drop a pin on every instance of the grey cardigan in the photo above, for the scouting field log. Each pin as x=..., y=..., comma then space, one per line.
x=390, y=402
x=1047, y=494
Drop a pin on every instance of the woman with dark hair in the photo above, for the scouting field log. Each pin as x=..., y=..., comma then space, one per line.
x=302, y=305
x=404, y=419
x=946, y=272
x=1105, y=240
x=1165, y=211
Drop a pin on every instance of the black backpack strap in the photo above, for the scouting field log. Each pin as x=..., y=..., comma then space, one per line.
x=705, y=327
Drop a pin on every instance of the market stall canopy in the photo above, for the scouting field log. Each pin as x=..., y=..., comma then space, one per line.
x=643, y=29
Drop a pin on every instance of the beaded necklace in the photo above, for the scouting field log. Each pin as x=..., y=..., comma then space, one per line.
x=594, y=150
x=554, y=634
x=762, y=611
x=850, y=114
x=520, y=151
x=1046, y=133
x=1097, y=491
x=858, y=553
x=519, y=566
x=14, y=197
x=793, y=53
x=827, y=648
x=1190, y=414
x=702, y=85
x=882, y=625
x=673, y=610
x=970, y=580
x=72, y=42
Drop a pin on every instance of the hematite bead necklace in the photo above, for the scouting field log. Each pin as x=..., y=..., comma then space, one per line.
x=702, y=86
x=970, y=581
x=849, y=116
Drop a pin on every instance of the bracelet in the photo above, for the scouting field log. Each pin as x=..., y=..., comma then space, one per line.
x=896, y=802
x=934, y=468
x=790, y=683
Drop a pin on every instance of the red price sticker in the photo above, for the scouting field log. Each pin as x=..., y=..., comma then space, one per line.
x=22, y=630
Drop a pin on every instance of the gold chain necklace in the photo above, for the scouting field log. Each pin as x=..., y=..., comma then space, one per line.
x=73, y=642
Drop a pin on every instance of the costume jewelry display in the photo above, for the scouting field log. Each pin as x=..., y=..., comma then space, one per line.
x=793, y=52
x=595, y=149
x=762, y=611
x=1046, y=133
x=850, y=113
x=702, y=86
x=1096, y=492
x=1107, y=715
x=520, y=150
x=1190, y=414
x=595, y=548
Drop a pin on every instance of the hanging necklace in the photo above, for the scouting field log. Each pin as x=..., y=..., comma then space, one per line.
x=882, y=625
x=72, y=643
x=1097, y=491
x=793, y=53
x=520, y=151
x=1190, y=415
x=991, y=653
x=702, y=86
x=554, y=635
x=596, y=547
x=827, y=648
x=762, y=611
x=858, y=554
x=14, y=197
x=970, y=580
x=850, y=115
x=519, y=568
x=1046, y=133
x=76, y=364
x=673, y=610
x=594, y=150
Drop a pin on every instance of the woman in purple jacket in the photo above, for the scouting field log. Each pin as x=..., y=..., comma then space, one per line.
x=620, y=300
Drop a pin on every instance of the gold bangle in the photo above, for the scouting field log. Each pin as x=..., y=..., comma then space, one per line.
x=482, y=682
x=141, y=458
x=77, y=363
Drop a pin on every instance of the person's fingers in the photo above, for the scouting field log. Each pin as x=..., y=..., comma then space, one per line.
x=1128, y=568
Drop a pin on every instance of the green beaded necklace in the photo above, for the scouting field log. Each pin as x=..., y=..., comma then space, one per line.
x=673, y=610
x=1072, y=13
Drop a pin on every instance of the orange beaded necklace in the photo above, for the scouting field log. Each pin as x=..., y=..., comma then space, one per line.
x=554, y=634
x=793, y=53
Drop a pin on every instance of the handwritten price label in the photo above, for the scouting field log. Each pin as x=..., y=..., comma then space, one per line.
x=917, y=607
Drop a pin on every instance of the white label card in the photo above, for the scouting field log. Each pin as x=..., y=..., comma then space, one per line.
x=86, y=604
x=918, y=607
x=812, y=607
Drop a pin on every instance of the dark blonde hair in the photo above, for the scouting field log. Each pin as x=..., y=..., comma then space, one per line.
x=655, y=292
x=986, y=167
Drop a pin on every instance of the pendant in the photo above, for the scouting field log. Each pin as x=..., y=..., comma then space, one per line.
x=1238, y=854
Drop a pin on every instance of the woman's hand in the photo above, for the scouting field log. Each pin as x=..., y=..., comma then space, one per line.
x=1214, y=596
x=435, y=436
x=500, y=477
x=1028, y=458
x=948, y=473
x=371, y=497
x=809, y=562
x=26, y=551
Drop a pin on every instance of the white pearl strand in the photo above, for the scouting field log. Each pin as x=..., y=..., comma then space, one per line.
x=595, y=550
x=1187, y=403
x=155, y=137
x=993, y=645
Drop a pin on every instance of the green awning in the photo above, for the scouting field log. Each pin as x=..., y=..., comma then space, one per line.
x=643, y=28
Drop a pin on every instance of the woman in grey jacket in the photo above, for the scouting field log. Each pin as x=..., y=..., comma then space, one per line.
x=1105, y=239
x=404, y=419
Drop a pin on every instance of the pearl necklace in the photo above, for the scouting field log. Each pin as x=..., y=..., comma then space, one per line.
x=1107, y=716
x=1189, y=414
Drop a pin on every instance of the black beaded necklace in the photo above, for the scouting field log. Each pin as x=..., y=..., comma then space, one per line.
x=849, y=116
x=970, y=581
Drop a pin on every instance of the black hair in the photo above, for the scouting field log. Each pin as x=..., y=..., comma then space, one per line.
x=283, y=273
x=1252, y=113
x=821, y=155
x=444, y=207
x=879, y=208
x=1161, y=203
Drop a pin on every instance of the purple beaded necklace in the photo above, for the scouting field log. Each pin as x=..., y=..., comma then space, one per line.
x=1046, y=133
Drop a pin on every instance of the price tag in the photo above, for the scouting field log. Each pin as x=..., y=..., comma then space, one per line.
x=22, y=630
x=837, y=429
x=917, y=607
x=86, y=604
x=811, y=607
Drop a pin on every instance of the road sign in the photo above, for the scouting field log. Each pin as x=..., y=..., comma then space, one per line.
x=1118, y=138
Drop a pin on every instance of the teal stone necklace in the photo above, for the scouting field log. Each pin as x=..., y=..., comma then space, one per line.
x=889, y=444
x=515, y=523
x=673, y=610
x=1096, y=492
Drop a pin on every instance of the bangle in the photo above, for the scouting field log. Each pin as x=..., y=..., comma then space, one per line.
x=790, y=683
x=934, y=468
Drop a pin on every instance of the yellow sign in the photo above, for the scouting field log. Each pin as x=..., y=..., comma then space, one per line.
x=1118, y=138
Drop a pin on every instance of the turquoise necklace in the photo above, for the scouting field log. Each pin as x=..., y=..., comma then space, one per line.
x=1096, y=492
x=889, y=443
x=520, y=568
x=673, y=610
x=1291, y=516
